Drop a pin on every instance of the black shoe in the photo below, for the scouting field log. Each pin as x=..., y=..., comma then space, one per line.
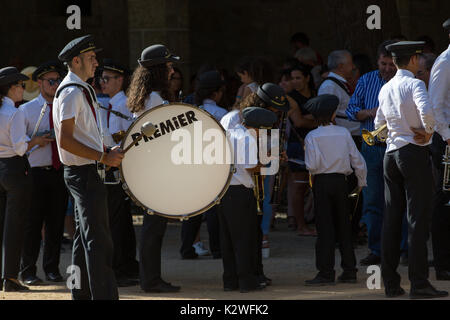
x=428, y=292
x=371, y=259
x=228, y=289
x=190, y=256
x=32, y=281
x=404, y=260
x=11, y=286
x=319, y=281
x=263, y=280
x=443, y=275
x=258, y=287
x=162, y=287
x=125, y=282
x=394, y=292
x=347, y=278
x=54, y=277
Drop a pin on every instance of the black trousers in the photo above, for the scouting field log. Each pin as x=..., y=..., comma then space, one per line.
x=15, y=200
x=92, y=245
x=238, y=238
x=48, y=206
x=152, y=234
x=190, y=228
x=122, y=232
x=332, y=212
x=408, y=185
x=440, y=222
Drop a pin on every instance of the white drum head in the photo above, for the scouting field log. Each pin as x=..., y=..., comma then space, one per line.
x=154, y=173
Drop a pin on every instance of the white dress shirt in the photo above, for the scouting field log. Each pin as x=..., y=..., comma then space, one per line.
x=331, y=149
x=13, y=137
x=153, y=100
x=213, y=109
x=404, y=103
x=119, y=103
x=42, y=156
x=231, y=120
x=439, y=89
x=330, y=87
x=245, y=152
x=70, y=104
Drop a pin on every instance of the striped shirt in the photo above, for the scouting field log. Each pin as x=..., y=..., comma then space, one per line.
x=365, y=97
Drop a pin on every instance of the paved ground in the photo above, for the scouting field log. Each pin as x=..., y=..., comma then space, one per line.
x=291, y=262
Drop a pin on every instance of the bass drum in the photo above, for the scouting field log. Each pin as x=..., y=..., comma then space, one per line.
x=184, y=168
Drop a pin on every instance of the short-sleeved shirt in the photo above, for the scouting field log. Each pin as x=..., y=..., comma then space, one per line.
x=13, y=137
x=73, y=104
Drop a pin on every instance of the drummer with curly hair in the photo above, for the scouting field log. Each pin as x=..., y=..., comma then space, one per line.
x=148, y=89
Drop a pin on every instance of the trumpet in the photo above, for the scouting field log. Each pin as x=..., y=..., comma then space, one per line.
x=380, y=134
x=258, y=189
x=118, y=136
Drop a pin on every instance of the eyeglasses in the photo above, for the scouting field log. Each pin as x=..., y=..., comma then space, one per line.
x=106, y=79
x=52, y=82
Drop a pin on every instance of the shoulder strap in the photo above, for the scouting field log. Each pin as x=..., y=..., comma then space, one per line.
x=338, y=82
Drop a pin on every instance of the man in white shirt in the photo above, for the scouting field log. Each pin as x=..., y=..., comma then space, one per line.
x=406, y=110
x=50, y=195
x=439, y=89
x=330, y=155
x=80, y=149
x=341, y=66
x=113, y=82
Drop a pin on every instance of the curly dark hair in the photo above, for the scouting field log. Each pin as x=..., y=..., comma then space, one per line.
x=252, y=100
x=143, y=82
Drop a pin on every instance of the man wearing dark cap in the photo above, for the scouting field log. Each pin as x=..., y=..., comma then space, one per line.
x=148, y=89
x=80, y=149
x=439, y=89
x=49, y=192
x=407, y=111
x=237, y=209
x=330, y=155
x=114, y=82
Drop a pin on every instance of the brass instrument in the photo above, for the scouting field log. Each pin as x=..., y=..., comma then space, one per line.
x=258, y=189
x=276, y=191
x=118, y=136
x=380, y=134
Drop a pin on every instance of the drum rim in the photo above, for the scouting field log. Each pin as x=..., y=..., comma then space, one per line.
x=188, y=215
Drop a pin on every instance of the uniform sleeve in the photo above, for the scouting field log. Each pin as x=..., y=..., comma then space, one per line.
x=439, y=93
x=17, y=132
x=311, y=162
x=356, y=102
x=423, y=103
x=357, y=162
x=69, y=105
x=380, y=118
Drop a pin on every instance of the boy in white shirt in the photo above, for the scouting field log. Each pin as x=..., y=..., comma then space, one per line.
x=330, y=155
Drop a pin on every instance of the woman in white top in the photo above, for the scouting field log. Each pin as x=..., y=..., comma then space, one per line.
x=15, y=176
x=253, y=72
x=149, y=85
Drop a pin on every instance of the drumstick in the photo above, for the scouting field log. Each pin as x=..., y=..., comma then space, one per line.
x=147, y=129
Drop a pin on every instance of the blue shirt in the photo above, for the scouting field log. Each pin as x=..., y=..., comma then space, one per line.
x=365, y=97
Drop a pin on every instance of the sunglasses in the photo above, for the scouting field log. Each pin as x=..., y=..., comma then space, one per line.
x=52, y=82
x=106, y=79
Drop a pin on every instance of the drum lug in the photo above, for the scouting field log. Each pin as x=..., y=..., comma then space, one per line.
x=124, y=186
x=184, y=218
x=150, y=212
x=217, y=201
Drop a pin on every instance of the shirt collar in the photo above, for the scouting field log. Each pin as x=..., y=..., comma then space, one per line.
x=335, y=75
x=8, y=101
x=71, y=76
x=404, y=73
x=41, y=100
x=209, y=101
x=117, y=97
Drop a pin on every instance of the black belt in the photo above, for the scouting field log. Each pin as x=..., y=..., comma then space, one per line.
x=46, y=168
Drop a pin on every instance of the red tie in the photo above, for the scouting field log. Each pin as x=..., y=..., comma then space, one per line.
x=349, y=89
x=109, y=114
x=55, y=156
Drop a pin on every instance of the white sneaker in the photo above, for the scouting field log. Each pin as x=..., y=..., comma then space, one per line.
x=200, y=249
